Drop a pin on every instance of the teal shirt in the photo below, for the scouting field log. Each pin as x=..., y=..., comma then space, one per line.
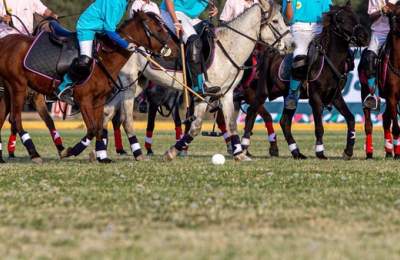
x=192, y=8
x=308, y=11
x=99, y=17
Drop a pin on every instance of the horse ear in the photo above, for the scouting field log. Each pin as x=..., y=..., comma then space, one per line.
x=265, y=5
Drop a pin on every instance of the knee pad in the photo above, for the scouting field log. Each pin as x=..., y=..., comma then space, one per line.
x=300, y=67
x=368, y=62
x=80, y=68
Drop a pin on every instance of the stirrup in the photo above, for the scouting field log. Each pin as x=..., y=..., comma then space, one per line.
x=65, y=95
x=372, y=102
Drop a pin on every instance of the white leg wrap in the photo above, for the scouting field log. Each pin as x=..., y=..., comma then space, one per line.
x=292, y=147
x=319, y=148
x=135, y=147
x=1, y=146
x=272, y=137
x=101, y=154
x=148, y=140
x=56, y=135
x=245, y=141
x=85, y=142
x=238, y=149
x=388, y=144
x=25, y=137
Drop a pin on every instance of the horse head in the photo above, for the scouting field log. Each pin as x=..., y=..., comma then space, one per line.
x=148, y=30
x=274, y=30
x=345, y=23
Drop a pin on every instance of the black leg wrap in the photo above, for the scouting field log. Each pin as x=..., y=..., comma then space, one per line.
x=79, y=147
x=236, y=145
x=351, y=138
x=135, y=146
x=28, y=143
x=1, y=152
x=104, y=136
x=101, y=152
x=184, y=142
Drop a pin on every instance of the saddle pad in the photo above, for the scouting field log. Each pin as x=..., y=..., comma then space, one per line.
x=49, y=58
x=285, y=69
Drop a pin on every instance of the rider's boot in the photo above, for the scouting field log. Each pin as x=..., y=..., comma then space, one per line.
x=64, y=90
x=372, y=101
x=292, y=98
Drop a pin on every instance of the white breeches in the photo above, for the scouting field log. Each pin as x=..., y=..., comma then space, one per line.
x=187, y=23
x=86, y=48
x=303, y=34
x=377, y=40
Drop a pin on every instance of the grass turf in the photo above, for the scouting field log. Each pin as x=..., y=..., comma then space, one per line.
x=190, y=209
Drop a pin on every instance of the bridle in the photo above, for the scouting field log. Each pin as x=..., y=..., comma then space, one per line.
x=165, y=50
x=266, y=21
x=339, y=31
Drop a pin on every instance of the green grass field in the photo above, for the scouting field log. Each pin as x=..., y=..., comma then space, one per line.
x=190, y=209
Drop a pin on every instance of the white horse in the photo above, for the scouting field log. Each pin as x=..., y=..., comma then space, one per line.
x=262, y=22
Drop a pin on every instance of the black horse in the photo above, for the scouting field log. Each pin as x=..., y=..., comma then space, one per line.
x=329, y=55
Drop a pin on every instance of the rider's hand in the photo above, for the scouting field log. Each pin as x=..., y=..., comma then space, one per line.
x=178, y=29
x=213, y=11
x=131, y=47
x=6, y=19
x=386, y=9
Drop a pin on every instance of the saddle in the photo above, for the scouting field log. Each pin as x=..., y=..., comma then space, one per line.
x=52, y=53
x=315, y=65
x=206, y=32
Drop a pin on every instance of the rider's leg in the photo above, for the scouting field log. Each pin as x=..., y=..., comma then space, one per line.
x=80, y=69
x=371, y=56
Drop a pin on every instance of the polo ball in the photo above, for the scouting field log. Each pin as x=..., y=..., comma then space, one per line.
x=218, y=159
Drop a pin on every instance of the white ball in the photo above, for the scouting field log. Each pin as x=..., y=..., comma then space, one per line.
x=218, y=159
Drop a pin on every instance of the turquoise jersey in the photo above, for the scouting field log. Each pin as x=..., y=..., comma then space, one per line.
x=192, y=8
x=100, y=17
x=308, y=11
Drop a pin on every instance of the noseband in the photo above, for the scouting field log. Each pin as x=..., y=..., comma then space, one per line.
x=339, y=31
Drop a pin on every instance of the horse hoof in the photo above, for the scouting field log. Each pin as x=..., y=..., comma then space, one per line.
x=2, y=161
x=273, y=150
x=247, y=153
x=297, y=155
x=37, y=160
x=150, y=153
x=369, y=156
x=346, y=155
x=105, y=161
x=65, y=153
x=321, y=156
x=121, y=152
x=396, y=157
x=229, y=149
x=242, y=157
x=388, y=155
x=170, y=154
x=11, y=156
x=141, y=158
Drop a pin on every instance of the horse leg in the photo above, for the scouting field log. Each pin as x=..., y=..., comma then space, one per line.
x=178, y=128
x=250, y=119
x=222, y=127
x=230, y=116
x=12, y=141
x=127, y=122
x=368, y=127
x=151, y=119
x=387, y=123
x=98, y=116
x=40, y=106
x=116, y=123
x=273, y=148
x=341, y=106
x=110, y=111
x=195, y=128
x=18, y=97
x=286, y=125
x=88, y=116
x=396, y=133
x=317, y=109
x=3, y=115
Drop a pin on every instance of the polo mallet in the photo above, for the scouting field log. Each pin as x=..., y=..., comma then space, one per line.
x=184, y=86
x=184, y=74
x=213, y=133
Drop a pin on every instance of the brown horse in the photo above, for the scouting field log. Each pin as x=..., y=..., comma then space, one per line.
x=38, y=102
x=91, y=96
x=389, y=89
